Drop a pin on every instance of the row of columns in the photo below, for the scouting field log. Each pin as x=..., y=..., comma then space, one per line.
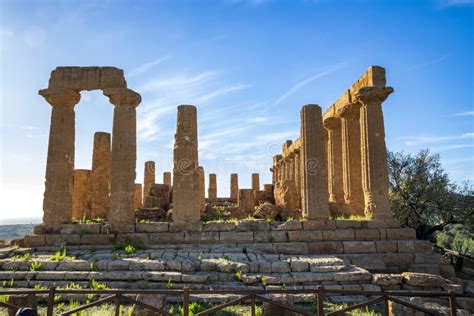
x=57, y=203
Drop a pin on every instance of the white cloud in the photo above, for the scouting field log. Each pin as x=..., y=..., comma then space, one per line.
x=147, y=66
x=426, y=64
x=468, y=113
x=417, y=140
x=308, y=80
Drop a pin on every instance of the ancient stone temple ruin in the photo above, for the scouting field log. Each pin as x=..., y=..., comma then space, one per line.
x=283, y=232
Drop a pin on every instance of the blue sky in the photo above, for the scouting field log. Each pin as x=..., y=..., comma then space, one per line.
x=247, y=65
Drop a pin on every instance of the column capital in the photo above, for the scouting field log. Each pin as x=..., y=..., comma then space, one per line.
x=350, y=111
x=60, y=96
x=122, y=96
x=370, y=94
x=332, y=123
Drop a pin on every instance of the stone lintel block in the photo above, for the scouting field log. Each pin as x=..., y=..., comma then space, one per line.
x=152, y=227
x=43, y=229
x=386, y=246
x=288, y=225
x=422, y=246
x=325, y=247
x=252, y=225
x=236, y=237
x=359, y=246
x=367, y=234
x=142, y=238
x=319, y=224
x=218, y=226
x=166, y=238
x=194, y=226
x=401, y=233
x=35, y=240
x=291, y=248
x=305, y=235
x=206, y=237
x=338, y=234
x=348, y=223
x=97, y=239
x=271, y=236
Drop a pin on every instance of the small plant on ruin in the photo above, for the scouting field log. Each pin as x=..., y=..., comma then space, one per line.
x=225, y=258
x=98, y=286
x=199, y=257
x=8, y=284
x=93, y=266
x=234, y=220
x=289, y=218
x=36, y=266
x=169, y=285
x=115, y=256
x=59, y=255
x=4, y=298
x=238, y=275
x=264, y=280
x=270, y=220
x=284, y=287
x=22, y=256
x=129, y=249
x=40, y=287
x=289, y=260
x=73, y=286
x=82, y=232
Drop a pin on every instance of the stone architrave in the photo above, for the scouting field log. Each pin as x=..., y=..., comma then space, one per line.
x=351, y=159
x=374, y=152
x=212, y=188
x=80, y=194
x=57, y=202
x=314, y=194
x=336, y=190
x=148, y=178
x=167, y=178
x=138, y=196
x=99, y=180
x=246, y=201
x=202, y=189
x=124, y=154
x=186, y=196
x=234, y=186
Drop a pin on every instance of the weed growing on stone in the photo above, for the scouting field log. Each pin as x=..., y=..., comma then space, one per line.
x=264, y=281
x=25, y=256
x=129, y=249
x=36, y=266
x=98, y=286
x=238, y=275
x=169, y=284
x=8, y=284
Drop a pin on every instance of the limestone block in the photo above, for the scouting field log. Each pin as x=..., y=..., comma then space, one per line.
x=234, y=186
x=236, y=236
x=80, y=194
x=246, y=201
x=152, y=227
x=367, y=234
x=423, y=279
x=299, y=266
x=305, y=235
x=290, y=248
x=346, y=234
x=288, y=225
x=346, y=223
x=138, y=199
x=325, y=247
x=218, y=226
x=212, y=188
x=359, y=246
x=386, y=246
x=280, y=267
x=401, y=233
x=148, y=178
x=252, y=225
x=87, y=78
x=319, y=224
x=405, y=246
x=271, y=236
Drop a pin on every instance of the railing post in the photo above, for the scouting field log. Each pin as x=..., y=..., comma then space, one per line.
x=117, y=304
x=452, y=303
x=51, y=295
x=387, y=311
x=320, y=301
x=186, y=301
x=252, y=297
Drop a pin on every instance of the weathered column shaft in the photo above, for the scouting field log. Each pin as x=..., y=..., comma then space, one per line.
x=336, y=190
x=202, y=189
x=186, y=197
x=255, y=182
x=57, y=203
x=167, y=178
x=234, y=186
x=314, y=194
x=351, y=168
x=246, y=201
x=138, y=196
x=99, y=180
x=212, y=189
x=148, y=178
x=124, y=154
x=80, y=194
x=374, y=152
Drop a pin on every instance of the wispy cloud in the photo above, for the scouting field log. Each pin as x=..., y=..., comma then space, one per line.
x=308, y=80
x=417, y=140
x=468, y=113
x=147, y=66
x=426, y=64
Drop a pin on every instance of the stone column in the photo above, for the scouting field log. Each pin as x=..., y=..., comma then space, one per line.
x=57, y=202
x=138, y=196
x=374, y=152
x=268, y=193
x=202, y=189
x=246, y=201
x=99, y=180
x=186, y=197
x=255, y=182
x=336, y=191
x=148, y=178
x=314, y=194
x=80, y=194
x=167, y=178
x=124, y=154
x=212, y=189
x=351, y=167
x=297, y=171
x=234, y=186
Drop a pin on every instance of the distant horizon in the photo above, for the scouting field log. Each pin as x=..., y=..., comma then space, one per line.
x=21, y=221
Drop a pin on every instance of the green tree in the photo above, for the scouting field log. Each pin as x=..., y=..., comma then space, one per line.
x=422, y=196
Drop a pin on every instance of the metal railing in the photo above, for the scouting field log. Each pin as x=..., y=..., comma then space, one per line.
x=119, y=297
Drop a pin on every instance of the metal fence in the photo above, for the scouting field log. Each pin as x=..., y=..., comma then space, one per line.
x=120, y=297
